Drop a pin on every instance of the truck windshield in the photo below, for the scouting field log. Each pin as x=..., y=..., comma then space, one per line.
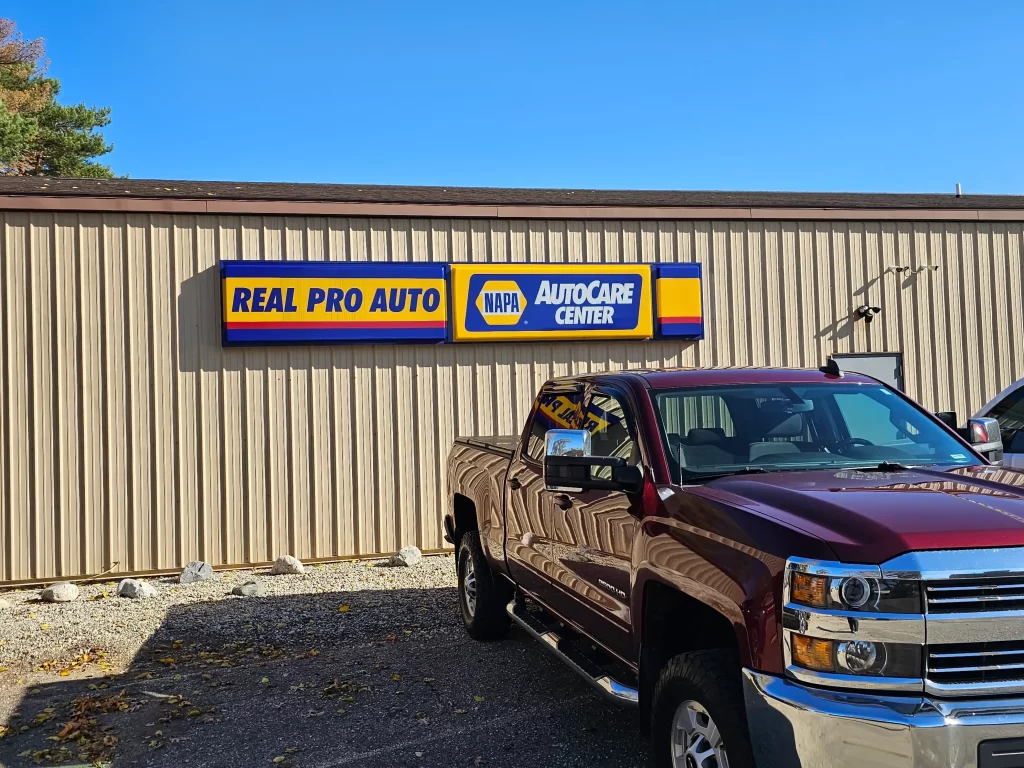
x=711, y=431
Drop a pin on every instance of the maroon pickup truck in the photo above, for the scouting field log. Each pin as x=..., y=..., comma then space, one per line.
x=777, y=567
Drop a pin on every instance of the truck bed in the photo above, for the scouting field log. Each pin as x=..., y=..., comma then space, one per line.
x=501, y=445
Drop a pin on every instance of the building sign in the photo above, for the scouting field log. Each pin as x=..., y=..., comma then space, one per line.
x=275, y=302
x=679, y=310
x=509, y=302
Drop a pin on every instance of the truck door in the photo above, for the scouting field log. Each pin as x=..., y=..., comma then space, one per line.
x=593, y=530
x=528, y=519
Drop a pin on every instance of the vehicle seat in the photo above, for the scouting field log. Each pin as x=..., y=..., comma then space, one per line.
x=757, y=450
x=790, y=425
x=706, y=436
x=700, y=455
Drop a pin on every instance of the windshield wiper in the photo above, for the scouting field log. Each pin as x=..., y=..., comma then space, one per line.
x=749, y=470
x=883, y=466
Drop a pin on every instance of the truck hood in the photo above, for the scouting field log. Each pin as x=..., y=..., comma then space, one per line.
x=870, y=517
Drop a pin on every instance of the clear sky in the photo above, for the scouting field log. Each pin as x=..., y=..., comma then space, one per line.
x=849, y=96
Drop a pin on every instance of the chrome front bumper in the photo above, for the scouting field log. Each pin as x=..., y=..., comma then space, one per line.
x=796, y=726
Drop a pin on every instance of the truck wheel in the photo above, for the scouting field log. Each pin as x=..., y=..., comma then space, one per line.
x=482, y=598
x=699, y=719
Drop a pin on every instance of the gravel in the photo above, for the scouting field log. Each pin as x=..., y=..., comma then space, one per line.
x=348, y=664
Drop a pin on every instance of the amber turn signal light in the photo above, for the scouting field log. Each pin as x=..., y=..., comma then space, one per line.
x=813, y=653
x=809, y=590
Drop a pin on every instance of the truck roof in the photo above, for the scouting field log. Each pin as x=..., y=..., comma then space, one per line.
x=670, y=378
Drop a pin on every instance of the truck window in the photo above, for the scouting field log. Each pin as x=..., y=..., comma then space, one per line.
x=869, y=419
x=1009, y=412
x=553, y=410
x=607, y=420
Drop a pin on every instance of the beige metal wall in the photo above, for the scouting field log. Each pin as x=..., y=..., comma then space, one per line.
x=130, y=436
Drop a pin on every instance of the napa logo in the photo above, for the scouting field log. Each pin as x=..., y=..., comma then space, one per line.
x=501, y=302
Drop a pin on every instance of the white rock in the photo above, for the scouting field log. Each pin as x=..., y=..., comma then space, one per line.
x=195, y=571
x=135, y=589
x=287, y=564
x=406, y=556
x=5, y=604
x=249, y=589
x=60, y=592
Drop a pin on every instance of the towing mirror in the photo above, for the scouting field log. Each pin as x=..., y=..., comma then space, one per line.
x=568, y=465
x=984, y=436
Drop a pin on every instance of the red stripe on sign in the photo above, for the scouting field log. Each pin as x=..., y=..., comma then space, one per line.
x=679, y=319
x=285, y=325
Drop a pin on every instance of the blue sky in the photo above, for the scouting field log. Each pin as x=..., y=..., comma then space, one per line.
x=866, y=96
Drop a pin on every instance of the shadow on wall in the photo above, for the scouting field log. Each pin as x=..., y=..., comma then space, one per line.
x=293, y=681
x=199, y=322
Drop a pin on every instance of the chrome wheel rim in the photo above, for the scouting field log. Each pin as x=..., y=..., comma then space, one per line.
x=469, y=586
x=696, y=740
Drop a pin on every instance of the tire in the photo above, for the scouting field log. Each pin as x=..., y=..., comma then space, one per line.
x=707, y=683
x=482, y=597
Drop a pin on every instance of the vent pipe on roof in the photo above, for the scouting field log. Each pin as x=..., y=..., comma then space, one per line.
x=959, y=192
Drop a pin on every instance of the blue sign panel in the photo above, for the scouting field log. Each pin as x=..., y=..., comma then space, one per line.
x=511, y=302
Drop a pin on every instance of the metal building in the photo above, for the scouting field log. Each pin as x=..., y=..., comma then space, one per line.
x=132, y=439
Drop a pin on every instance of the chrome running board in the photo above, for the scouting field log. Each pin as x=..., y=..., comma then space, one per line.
x=611, y=689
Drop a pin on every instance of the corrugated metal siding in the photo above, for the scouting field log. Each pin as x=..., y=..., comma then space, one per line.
x=130, y=436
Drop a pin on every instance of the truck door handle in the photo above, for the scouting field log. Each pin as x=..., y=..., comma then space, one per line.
x=514, y=483
x=562, y=501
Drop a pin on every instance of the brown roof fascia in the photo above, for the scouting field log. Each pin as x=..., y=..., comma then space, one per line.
x=448, y=210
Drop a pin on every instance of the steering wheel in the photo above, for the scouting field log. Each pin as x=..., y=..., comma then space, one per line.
x=853, y=442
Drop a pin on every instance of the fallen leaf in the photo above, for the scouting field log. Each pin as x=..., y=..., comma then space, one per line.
x=478, y=699
x=345, y=608
x=314, y=652
x=278, y=759
x=396, y=676
x=265, y=680
x=460, y=711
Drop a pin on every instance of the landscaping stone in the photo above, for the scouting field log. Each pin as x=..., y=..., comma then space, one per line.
x=195, y=571
x=405, y=557
x=287, y=564
x=60, y=592
x=249, y=589
x=135, y=589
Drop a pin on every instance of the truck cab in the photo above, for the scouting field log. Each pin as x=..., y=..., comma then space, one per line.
x=776, y=567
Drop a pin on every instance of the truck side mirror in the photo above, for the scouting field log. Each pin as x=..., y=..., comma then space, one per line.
x=568, y=465
x=984, y=436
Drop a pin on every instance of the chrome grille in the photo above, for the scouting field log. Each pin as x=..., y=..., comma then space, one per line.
x=975, y=595
x=975, y=663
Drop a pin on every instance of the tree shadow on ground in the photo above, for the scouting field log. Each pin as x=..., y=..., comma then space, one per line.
x=298, y=680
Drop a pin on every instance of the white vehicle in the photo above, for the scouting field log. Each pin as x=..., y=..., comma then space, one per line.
x=1008, y=409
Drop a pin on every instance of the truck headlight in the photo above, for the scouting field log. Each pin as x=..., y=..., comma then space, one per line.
x=848, y=626
x=857, y=657
x=857, y=593
x=861, y=657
